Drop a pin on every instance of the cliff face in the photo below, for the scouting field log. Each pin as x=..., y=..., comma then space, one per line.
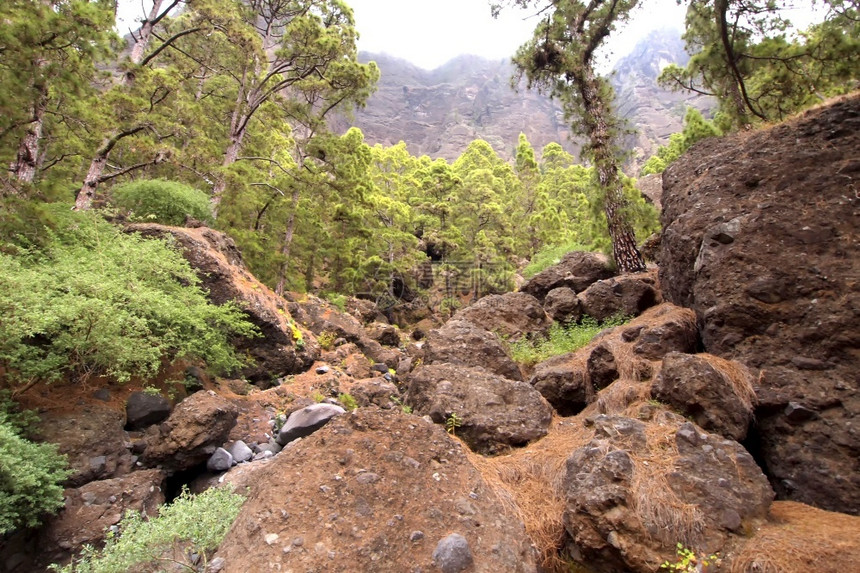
x=439, y=112
x=654, y=112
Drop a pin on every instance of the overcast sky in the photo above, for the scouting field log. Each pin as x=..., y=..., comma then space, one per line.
x=428, y=33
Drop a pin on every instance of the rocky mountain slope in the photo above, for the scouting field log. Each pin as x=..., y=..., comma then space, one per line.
x=439, y=112
x=723, y=417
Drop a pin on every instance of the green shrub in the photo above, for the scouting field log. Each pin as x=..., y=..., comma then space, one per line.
x=30, y=477
x=560, y=339
x=336, y=299
x=96, y=300
x=162, y=201
x=348, y=401
x=202, y=521
x=548, y=256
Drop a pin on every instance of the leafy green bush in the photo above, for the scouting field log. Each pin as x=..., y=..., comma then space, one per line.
x=548, y=256
x=166, y=202
x=560, y=339
x=30, y=477
x=201, y=520
x=96, y=300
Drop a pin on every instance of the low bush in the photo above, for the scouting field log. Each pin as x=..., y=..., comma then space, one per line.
x=30, y=478
x=161, y=201
x=94, y=300
x=191, y=524
x=560, y=339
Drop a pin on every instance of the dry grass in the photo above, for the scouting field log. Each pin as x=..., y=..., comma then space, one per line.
x=529, y=483
x=798, y=539
x=737, y=375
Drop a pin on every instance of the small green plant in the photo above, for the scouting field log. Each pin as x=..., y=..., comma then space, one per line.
x=30, y=478
x=448, y=306
x=405, y=408
x=560, y=339
x=337, y=300
x=162, y=201
x=689, y=562
x=326, y=339
x=298, y=338
x=348, y=401
x=317, y=396
x=151, y=391
x=452, y=422
x=200, y=520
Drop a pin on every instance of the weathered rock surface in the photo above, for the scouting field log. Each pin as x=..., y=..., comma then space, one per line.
x=374, y=490
x=715, y=393
x=463, y=343
x=577, y=270
x=496, y=413
x=638, y=488
x=321, y=317
x=562, y=305
x=760, y=239
x=143, y=409
x=377, y=391
x=218, y=263
x=306, y=421
x=511, y=315
x=96, y=506
x=94, y=440
x=630, y=295
x=195, y=429
x=563, y=381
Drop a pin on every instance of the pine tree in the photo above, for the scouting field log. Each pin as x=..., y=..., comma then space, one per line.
x=560, y=59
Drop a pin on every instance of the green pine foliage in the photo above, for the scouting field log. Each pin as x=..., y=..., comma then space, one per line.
x=161, y=201
x=94, y=300
x=30, y=478
x=200, y=521
x=696, y=128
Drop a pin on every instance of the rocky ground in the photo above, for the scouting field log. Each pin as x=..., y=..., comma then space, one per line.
x=733, y=387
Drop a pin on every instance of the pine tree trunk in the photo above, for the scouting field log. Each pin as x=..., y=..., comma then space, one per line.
x=288, y=242
x=624, y=250
x=26, y=162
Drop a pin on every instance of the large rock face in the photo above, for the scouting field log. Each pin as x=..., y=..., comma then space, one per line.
x=511, y=315
x=637, y=483
x=464, y=343
x=760, y=239
x=374, y=491
x=495, y=412
x=222, y=273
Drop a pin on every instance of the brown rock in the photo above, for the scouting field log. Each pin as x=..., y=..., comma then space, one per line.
x=630, y=499
x=716, y=394
x=374, y=491
x=496, y=412
x=563, y=381
x=463, y=343
x=94, y=440
x=577, y=270
x=92, y=508
x=759, y=239
x=562, y=305
x=197, y=426
x=629, y=294
x=218, y=263
x=510, y=315
x=374, y=391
